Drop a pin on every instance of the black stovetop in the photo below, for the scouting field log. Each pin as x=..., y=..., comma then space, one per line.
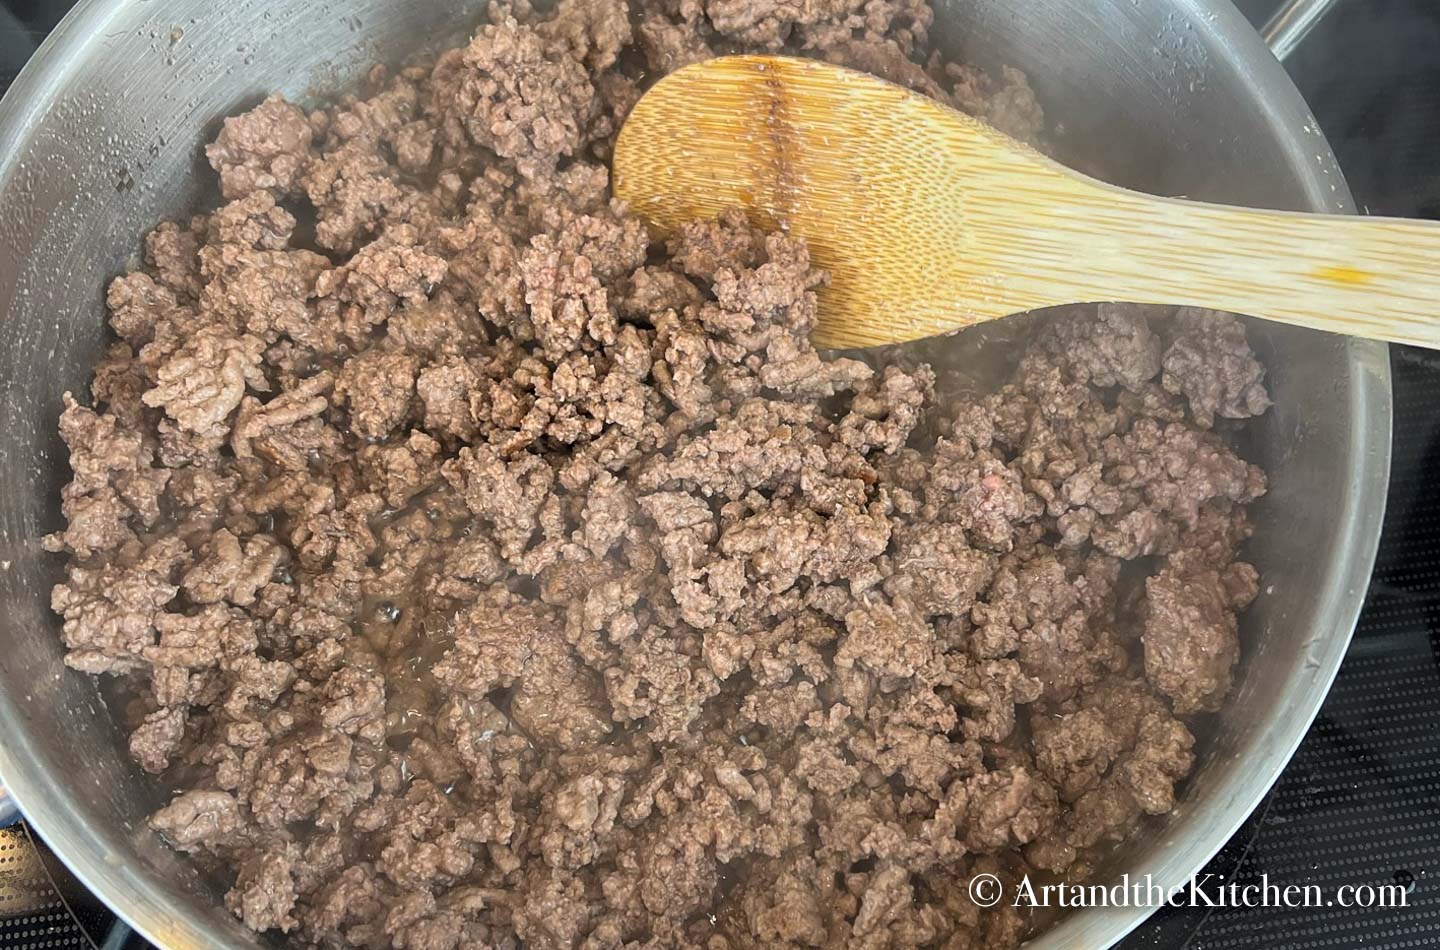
x=1360, y=802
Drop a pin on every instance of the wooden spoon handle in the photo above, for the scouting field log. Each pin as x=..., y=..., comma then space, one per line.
x=1370, y=277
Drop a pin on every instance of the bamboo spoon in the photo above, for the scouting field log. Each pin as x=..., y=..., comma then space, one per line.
x=929, y=220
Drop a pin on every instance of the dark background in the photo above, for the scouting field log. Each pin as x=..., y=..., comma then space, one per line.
x=1360, y=802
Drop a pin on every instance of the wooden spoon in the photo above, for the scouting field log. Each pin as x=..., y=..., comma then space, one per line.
x=929, y=220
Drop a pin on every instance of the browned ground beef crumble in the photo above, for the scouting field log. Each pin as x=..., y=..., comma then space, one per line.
x=489, y=576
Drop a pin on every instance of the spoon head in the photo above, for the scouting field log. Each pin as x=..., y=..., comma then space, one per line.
x=912, y=207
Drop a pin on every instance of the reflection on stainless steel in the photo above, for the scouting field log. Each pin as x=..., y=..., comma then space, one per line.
x=1290, y=24
x=102, y=134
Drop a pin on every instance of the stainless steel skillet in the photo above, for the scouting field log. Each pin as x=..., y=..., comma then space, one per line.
x=100, y=137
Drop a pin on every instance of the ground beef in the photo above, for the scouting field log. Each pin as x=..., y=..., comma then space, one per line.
x=264, y=149
x=481, y=573
x=516, y=94
x=1190, y=639
x=1210, y=363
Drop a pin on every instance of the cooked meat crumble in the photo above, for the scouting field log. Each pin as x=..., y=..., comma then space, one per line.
x=489, y=575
